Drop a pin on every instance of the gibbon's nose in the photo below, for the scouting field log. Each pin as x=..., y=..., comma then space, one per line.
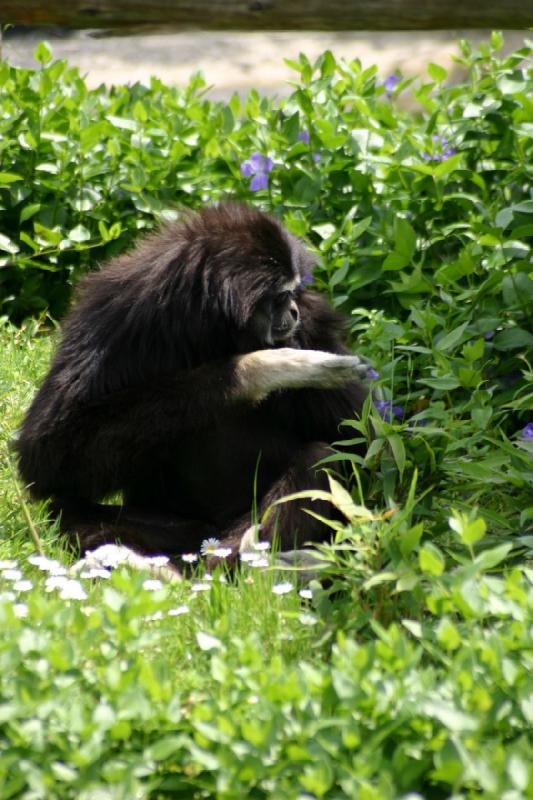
x=295, y=314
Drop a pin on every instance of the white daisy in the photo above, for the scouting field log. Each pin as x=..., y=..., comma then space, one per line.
x=208, y=546
x=178, y=611
x=47, y=564
x=222, y=552
x=55, y=582
x=72, y=590
x=12, y=574
x=23, y=586
x=152, y=585
x=282, y=588
x=259, y=563
x=158, y=561
x=95, y=572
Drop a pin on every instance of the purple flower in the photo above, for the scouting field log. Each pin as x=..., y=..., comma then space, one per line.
x=246, y=169
x=387, y=411
x=373, y=374
x=305, y=137
x=527, y=433
x=307, y=278
x=257, y=166
x=441, y=151
x=390, y=83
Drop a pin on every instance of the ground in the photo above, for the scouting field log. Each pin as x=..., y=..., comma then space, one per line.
x=240, y=61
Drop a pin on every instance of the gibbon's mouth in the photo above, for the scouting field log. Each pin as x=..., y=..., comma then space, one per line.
x=280, y=335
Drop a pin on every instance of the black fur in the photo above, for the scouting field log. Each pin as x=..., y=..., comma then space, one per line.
x=144, y=395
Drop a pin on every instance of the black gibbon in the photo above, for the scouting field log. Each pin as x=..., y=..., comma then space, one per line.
x=196, y=375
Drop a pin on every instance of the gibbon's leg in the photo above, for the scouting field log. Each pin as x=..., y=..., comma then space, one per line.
x=289, y=521
x=91, y=525
x=92, y=437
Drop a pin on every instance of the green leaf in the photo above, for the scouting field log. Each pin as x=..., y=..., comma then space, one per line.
x=451, y=717
x=8, y=245
x=124, y=124
x=395, y=261
x=398, y=451
x=449, y=165
x=339, y=275
x=79, y=234
x=359, y=228
x=489, y=559
x=9, y=177
x=29, y=211
x=376, y=446
x=481, y=416
x=474, y=350
x=446, y=383
x=496, y=40
x=139, y=112
x=451, y=339
x=431, y=559
x=512, y=339
x=519, y=770
x=469, y=531
x=448, y=635
x=43, y=53
x=405, y=238
x=328, y=136
x=474, y=531
x=324, y=231
x=164, y=748
x=517, y=289
x=524, y=208
x=411, y=538
x=504, y=218
x=438, y=74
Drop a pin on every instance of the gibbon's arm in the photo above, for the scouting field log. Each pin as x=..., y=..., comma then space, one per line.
x=265, y=371
x=197, y=398
x=193, y=399
x=73, y=445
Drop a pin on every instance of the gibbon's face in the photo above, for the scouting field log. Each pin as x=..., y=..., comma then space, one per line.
x=276, y=316
x=257, y=270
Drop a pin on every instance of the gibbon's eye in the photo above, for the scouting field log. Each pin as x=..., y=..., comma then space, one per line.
x=283, y=298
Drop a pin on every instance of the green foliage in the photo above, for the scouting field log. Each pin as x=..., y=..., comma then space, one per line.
x=160, y=692
x=407, y=672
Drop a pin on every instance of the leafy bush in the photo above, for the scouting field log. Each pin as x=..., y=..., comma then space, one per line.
x=147, y=691
x=406, y=673
x=422, y=220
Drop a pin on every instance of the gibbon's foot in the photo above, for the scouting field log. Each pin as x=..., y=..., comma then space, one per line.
x=110, y=556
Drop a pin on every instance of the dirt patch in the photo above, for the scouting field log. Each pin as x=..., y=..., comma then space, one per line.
x=241, y=61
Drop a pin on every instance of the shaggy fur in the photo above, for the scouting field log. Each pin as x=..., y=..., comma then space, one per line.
x=162, y=389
